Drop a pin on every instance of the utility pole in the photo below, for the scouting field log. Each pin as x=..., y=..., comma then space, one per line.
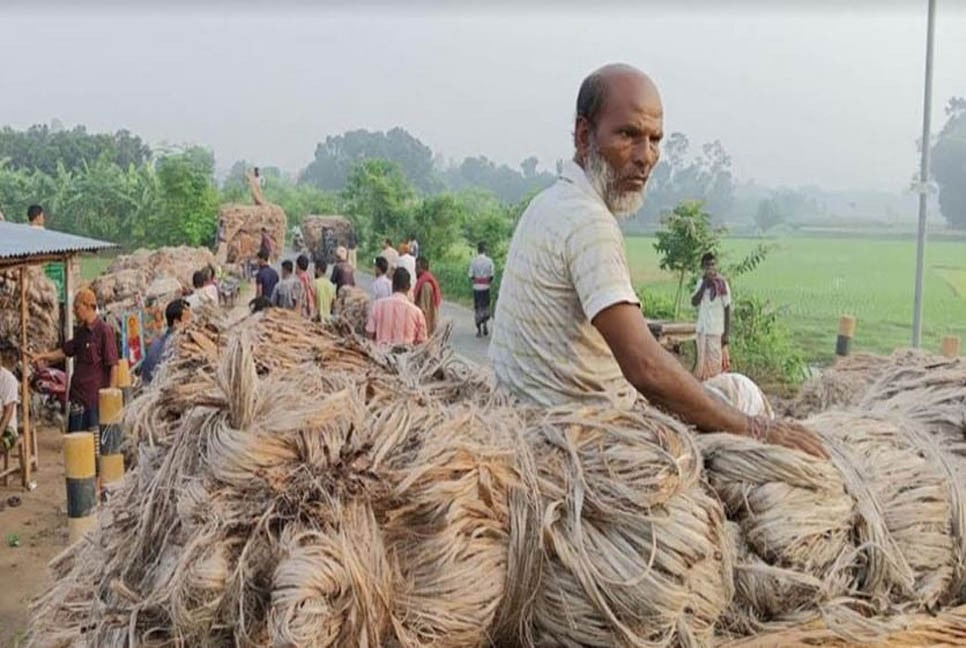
x=924, y=178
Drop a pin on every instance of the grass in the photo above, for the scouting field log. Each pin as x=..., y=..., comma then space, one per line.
x=815, y=280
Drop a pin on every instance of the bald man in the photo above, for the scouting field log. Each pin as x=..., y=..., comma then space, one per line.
x=569, y=326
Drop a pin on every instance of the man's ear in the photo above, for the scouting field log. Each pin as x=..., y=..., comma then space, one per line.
x=582, y=137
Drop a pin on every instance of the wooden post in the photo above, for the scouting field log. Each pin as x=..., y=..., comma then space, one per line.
x=843, y=343
x=950, y=346
x=110, y=411
x=68, y=329
x=124, y=378
x=81, y=492
x=27, y=449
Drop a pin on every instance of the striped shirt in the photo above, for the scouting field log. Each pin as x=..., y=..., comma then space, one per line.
x=566, y=264
x=397, y=320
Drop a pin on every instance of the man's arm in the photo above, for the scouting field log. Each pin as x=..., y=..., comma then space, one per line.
x=696, y=297
x=258, y=287
x=658, y=376
x=56, y=355
x=727, y=325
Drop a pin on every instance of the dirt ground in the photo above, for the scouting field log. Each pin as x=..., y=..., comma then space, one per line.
x=40, y=522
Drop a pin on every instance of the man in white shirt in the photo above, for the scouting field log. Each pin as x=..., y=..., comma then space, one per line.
x=9, y=397
x=204, y=294
x=381, y=286
x=481, y=274
x=712, y=298
x=390, y=255
x=408, y=261
x=569, y=326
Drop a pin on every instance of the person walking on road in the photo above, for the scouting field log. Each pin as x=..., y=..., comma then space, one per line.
x=712, y=298
x=382, y=285
x=288, y=291
x=407, y=261
x=307, y=305
x=343, y=274
x=428, y=294
x=324, y=292
x=481, y=275
x=266, y=278
x=351, y=246
x=390, y=255
x=396, y=319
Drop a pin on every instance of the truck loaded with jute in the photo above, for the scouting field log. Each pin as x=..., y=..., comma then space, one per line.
x=296, y=485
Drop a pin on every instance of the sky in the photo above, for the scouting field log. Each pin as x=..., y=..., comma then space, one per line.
x=799, y=93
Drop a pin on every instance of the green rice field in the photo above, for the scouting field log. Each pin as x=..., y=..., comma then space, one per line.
x=815, y=280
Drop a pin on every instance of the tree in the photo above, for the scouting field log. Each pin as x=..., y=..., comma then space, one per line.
x=768, y=215
x=706, y=177
x=949, y=164
x=337, y=155
x=437, y=224
x=379, y=201
x=41, y=148
x=189, y=203
x=686, y=235
x=508, y=184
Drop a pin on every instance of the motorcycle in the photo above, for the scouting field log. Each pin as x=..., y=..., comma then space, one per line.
x=49, y=389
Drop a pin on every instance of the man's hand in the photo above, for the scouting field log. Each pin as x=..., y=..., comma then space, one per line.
x=788, y=434
x=725, y=358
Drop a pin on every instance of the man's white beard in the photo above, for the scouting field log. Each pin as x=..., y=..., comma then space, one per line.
x=604, y=180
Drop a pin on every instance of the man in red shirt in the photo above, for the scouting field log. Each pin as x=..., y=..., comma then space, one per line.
x=94, y=349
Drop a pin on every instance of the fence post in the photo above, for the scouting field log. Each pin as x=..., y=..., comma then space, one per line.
x=110, y=410
x=124, y=379
x=843, y=343
x=950, y=346
x=81, y=492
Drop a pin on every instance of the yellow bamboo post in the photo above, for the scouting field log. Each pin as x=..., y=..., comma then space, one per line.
x=81, y=492
x=110, y=411
x=950, y=346
x=843, y=343
x=124, y=379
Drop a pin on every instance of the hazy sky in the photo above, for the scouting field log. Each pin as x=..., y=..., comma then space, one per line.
x=797, y=95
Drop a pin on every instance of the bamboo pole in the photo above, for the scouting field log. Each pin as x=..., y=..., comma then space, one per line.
x=27, y=450
x=950, y=346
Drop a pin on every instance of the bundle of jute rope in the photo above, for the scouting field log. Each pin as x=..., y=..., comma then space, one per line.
x=869, y=532
x=846, y=383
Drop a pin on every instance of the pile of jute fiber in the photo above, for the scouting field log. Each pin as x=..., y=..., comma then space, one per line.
x=133, y=273
x=297, y=486
x=846, y=383
x=350, y=505
x=323, y=234
x=43, y=309
x=243, y=230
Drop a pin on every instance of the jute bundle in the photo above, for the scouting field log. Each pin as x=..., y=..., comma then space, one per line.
x=243, y=229
x=635, y=550
x=352, y=306
x=846, y=383
x=946, y=629
x=869, y=532
x=133, y=273
x=339, y=232
x=933, y=394
x=43, y=309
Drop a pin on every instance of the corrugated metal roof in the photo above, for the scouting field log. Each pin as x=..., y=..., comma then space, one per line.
x=18, y=241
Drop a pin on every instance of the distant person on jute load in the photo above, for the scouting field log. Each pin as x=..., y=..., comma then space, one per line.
x=569, y=325
x=712, y=297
